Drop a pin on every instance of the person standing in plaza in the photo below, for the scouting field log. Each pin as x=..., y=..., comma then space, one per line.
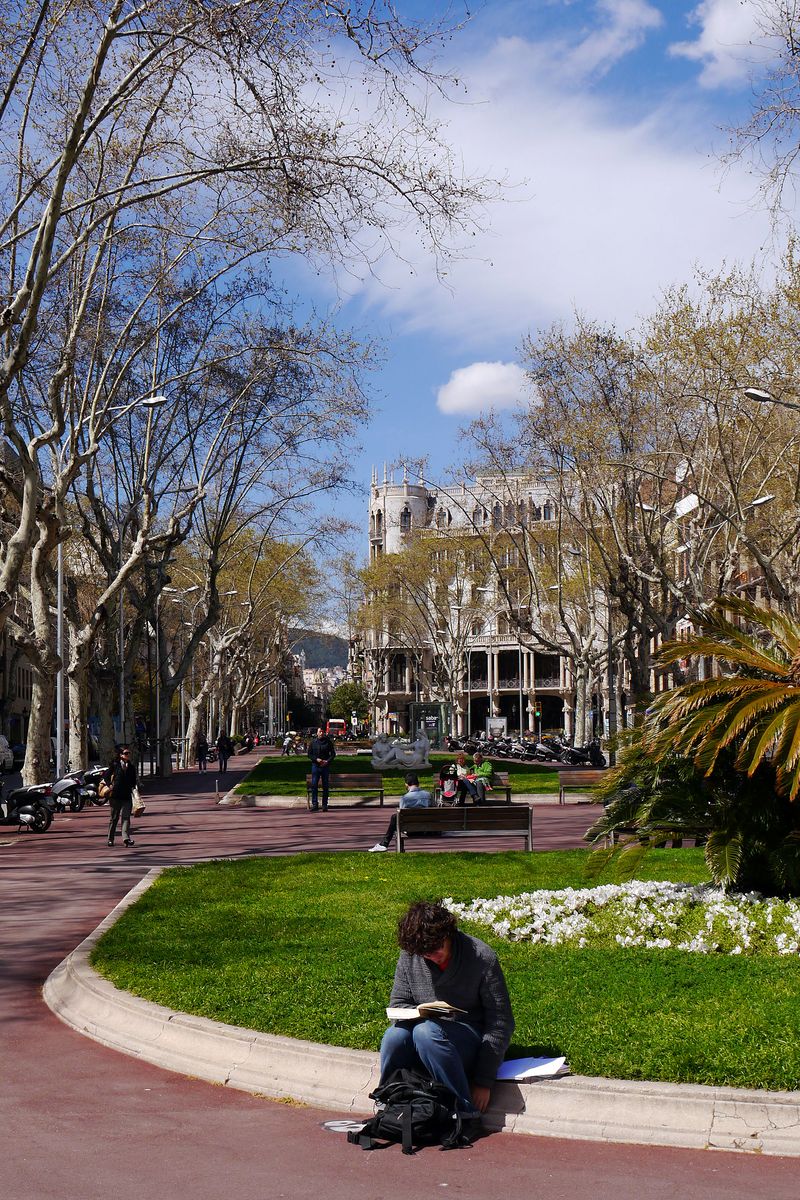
x=224, y=751
x=322, y=752
x=201, y=751
x=121, y=775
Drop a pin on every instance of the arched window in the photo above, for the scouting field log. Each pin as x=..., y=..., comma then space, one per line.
x=497, y=516
x=405, y=520
x=537, y=512
x=549, y=511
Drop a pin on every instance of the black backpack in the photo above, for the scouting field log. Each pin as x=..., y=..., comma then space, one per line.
x=414, y=1110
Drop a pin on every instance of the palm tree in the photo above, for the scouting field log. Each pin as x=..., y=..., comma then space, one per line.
x=753, y=709
x=719, y=759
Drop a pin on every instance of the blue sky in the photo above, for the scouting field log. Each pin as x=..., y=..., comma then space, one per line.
x=606, y=118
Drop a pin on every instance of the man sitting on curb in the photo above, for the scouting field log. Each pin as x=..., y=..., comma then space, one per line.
x=439, y=962
x=415, y=797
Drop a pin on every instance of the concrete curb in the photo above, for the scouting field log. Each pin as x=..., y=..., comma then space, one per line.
x=609, y=1110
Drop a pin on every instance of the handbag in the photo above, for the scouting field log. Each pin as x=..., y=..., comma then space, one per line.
x=138, y=806
x=104, y=790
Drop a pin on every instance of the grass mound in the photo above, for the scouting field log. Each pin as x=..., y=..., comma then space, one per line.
x=304, y=946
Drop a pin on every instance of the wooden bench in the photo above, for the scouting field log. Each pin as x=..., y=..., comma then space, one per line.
x=349, y=785
x=499, y=784
x=581, y=777
x=507, y=820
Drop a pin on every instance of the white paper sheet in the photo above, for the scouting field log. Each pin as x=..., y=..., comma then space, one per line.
x=532, y=1068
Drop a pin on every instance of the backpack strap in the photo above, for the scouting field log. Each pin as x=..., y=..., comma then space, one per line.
x=458, y=1137
x=408, y=1144
x=365, y=1138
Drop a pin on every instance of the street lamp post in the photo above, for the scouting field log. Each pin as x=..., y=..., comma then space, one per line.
x=60, y=652
x=180, y=594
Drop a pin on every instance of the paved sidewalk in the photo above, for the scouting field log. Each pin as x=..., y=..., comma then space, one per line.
x=82, y=1121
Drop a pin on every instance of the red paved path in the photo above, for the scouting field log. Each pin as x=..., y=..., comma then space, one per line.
x=79, y=1121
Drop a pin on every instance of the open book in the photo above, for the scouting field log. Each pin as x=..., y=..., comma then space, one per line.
x=433, y=1008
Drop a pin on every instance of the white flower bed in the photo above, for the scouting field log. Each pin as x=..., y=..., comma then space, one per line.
x=657, y=916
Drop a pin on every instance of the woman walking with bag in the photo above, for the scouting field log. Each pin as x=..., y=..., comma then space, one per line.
x=121, y=775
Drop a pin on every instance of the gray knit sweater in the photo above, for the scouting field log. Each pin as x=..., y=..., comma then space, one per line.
x=474, y=981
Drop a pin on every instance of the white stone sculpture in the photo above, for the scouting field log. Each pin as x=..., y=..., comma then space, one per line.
x=402, y=754
x=383, y=753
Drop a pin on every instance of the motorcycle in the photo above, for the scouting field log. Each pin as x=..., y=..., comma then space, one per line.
x=67, y=793
x=589, y=755
x=26, y=806
x=541, y=752
x=90, y=782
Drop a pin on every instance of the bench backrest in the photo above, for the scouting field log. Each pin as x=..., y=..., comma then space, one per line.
x=466, y=818
x=576, y=778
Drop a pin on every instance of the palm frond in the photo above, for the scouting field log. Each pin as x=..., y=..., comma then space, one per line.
x=784, y=629
x=737, y=649
x=752, y=755
x=723, y=855
x=629, y=858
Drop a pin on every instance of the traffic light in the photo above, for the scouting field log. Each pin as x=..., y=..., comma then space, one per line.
x=538, y=711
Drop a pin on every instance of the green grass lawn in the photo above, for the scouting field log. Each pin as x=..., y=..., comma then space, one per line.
x=277, y=776
x=304, y=946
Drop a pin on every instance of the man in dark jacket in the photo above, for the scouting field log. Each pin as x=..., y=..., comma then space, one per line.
x=439, y=962
x=322, y=752
x=224, y=751
x=122, y=777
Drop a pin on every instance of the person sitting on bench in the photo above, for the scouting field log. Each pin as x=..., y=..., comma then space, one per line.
x=415, y=797
x=483, y=772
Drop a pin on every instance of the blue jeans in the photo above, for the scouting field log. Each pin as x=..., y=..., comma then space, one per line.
x=447, y=1050
x=465, y=787
x=319, y=772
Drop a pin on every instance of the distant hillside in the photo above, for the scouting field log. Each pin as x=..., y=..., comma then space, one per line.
x=321, y=649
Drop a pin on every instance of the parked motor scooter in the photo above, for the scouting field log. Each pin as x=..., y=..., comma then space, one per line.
x=90, y=782
x=26, y=806
x=589, y=755
x=555, y=747
x=542, y=752
x=66, y=793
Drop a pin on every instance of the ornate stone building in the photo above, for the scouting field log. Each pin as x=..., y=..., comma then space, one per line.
x=492, y=676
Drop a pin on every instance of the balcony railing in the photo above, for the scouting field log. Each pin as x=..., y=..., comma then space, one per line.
x=549, y=681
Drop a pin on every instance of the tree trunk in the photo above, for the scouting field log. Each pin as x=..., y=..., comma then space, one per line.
x=105, y=692
x=78, y=702
x=581, y=682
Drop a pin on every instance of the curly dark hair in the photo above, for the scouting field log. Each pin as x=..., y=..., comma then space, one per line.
x=425, y=927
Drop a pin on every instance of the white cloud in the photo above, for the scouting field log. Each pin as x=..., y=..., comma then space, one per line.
x=730, y=43
x=481, y=386
x=613, y=210
x=625, y=28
